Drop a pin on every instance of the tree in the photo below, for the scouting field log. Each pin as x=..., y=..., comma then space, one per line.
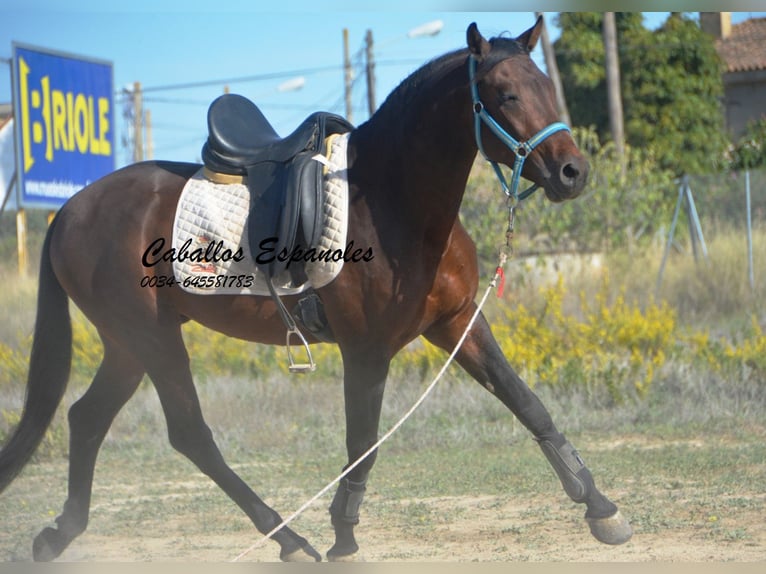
x=581, y=59
x=553, y=72
x=671, y=86
x=613, y=92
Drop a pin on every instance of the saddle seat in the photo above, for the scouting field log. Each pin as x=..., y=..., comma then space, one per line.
x=240, y=136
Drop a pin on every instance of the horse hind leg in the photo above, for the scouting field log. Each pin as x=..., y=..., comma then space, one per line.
x=168, y=366
x=89, y=420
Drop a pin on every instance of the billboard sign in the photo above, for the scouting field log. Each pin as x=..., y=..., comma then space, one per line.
x=65, y=136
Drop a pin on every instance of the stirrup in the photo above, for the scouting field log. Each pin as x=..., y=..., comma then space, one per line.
x=294, y=367
x=292, y=329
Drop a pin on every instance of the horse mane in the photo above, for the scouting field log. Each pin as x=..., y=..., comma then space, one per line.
x=400, y=99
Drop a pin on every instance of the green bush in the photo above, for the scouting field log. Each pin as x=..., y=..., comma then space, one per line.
x=750, y=150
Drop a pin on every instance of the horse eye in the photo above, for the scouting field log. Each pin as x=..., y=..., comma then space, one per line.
x=508, y=97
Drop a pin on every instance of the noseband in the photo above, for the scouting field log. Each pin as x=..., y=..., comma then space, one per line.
x=520, y=149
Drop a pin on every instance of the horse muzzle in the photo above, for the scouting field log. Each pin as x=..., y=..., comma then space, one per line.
x=567, y=179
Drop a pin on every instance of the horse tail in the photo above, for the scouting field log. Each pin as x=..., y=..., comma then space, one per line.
x=49, y=366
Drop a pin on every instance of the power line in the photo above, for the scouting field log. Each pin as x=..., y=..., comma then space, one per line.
x=241, y=79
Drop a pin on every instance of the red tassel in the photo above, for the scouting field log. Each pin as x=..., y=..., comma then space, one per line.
x=501, y=283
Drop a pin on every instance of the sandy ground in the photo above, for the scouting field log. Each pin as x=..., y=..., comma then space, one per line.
x=487, y=529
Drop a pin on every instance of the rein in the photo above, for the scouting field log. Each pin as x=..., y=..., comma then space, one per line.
x=520, y=149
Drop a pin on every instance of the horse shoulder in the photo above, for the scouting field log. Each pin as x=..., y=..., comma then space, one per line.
x=456, y=280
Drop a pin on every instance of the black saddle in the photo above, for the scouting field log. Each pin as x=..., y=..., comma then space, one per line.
x=285, y=183
x=286, y=194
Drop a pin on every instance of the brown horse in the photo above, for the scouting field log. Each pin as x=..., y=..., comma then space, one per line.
x=408, y=168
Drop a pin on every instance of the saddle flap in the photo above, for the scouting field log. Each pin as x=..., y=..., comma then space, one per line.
x=287, y=208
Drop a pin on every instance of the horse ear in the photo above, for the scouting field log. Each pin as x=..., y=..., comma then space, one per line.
x=477, y=45
x=529, y=38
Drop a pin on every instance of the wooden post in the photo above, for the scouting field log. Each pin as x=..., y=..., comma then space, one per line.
x=138, y=117
x=348, y=79
x=370, y=69
x=614, y=94
x=148, y=127
x=553, y=73
x=21, y=239
x=748, y=208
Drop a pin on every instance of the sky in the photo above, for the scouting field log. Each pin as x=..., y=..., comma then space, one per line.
x=251, y=51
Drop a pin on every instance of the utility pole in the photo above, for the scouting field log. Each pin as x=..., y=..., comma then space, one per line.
x=370, y=69
x=138, y=116
x=149, y=143
x=347, y=74
x=553, y=73
x=614, y=96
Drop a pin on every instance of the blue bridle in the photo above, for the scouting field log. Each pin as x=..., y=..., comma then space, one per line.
x=520, y=149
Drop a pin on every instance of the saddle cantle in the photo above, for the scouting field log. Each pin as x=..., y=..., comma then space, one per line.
x=285, y=181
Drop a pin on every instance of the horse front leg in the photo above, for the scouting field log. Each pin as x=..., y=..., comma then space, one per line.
x=363, y=383
x=481, y=357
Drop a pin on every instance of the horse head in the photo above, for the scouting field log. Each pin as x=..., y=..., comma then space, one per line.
x=520, y=99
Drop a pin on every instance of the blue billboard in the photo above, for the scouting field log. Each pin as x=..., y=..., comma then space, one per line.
x=65, y=131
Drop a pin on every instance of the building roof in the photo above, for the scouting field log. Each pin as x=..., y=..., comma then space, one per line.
x=744, y=49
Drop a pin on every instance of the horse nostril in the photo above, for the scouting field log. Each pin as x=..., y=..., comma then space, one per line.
x=569, y=173
x=574, y=174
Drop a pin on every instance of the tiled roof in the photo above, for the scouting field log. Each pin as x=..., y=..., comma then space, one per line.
x=745, y=48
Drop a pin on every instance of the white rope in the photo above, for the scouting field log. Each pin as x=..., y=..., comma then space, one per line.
x=393, y=429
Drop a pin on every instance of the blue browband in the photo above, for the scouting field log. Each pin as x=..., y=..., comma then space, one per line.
x=520, y=149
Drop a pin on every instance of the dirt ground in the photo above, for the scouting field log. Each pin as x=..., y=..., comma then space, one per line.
x=683, y=508
x=488, y=529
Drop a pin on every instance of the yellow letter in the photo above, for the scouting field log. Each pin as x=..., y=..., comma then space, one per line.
x=26, y=140
x=94, y=148
x=46, y=84
x=80, y=120
x=60, y=139
x=70, y=120
x=103, y=126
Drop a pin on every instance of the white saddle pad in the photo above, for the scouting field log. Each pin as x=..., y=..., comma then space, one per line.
x=212, y=252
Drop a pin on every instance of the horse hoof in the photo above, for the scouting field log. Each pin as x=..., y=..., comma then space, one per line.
x=307, y=554
x=614, y=529
x=345, y=558
x=44, y=547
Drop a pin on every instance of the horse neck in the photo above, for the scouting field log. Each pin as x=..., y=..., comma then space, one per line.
x=419, y=145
